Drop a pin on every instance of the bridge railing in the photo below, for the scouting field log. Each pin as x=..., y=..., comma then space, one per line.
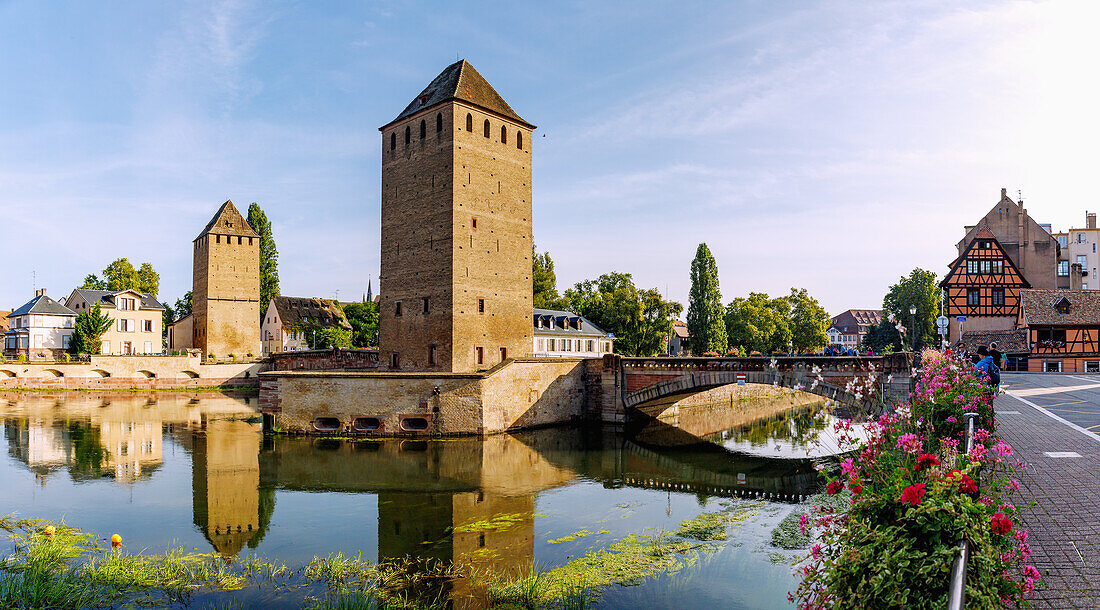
x=888, y=363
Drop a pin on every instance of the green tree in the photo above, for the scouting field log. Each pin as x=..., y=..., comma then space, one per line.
x=330, y=336
x=638, y=319
x=92, y=282
x=148, y=280
x=918, y=288
x=183, y=306
x=120, y=275
x=704, y=318
x=544, y=282
x=269, y=256
x=90, y=326
x=759, y=323
x=363, y=318
x=168, y=317
x=809, y=322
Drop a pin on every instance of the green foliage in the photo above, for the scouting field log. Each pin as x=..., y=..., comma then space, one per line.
x=90, y=326
x=92, y=282
x=639, y=319
x=269, y=256
x=318, y=337
x=363, y=318
x=809, y=322
x=121, y=275
x=704, y=317
x=914, y=496
x=759, y=323
x=544, y=282
x=167, y=318
x=918, y=288
x=183, y=306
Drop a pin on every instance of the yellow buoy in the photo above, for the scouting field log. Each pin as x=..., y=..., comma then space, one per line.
x=116, y=540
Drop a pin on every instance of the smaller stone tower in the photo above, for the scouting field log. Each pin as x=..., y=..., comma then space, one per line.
x=225, y=293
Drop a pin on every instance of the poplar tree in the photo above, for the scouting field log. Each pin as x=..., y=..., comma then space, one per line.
x=705, y=319
x=269, y=256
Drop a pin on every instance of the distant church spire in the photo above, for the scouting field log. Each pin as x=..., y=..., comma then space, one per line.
x=370, y=295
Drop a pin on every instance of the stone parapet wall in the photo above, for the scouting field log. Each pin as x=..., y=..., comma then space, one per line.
x=336, y=359
x=514, y=394
x=129, y=372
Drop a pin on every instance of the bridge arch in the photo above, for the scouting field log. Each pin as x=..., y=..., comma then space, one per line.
x=99, y=373
x=6, y=373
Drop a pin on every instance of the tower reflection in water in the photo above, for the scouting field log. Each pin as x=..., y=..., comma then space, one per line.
x=470, y=502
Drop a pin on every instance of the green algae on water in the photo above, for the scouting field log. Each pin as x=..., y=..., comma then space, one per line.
x=497, y=523
x=571, y=537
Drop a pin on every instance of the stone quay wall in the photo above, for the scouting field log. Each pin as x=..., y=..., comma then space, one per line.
x=335, y=359
x=130, y=372
x=514, y=394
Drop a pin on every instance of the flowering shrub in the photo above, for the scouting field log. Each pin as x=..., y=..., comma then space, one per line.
x=914, y=496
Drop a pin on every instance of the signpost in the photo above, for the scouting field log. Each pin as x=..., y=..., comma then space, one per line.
x=740, y=379
x=941, y=327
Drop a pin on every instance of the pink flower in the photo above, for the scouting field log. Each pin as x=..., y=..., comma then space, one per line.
x=1032, y=572
x=1014, y=485
x=978, y=453
x=909, y=442
x=1021, y=535
x=848, y=467
x=1002, y=449
x=913, y=494
x=816, y=551
x=803, y=520
x=952, y=420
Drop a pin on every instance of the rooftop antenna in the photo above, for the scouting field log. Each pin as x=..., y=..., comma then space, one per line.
x=34, y=280
x=1020, y=195
x=337, y=295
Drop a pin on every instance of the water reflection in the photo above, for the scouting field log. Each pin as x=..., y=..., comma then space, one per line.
x=470, y=502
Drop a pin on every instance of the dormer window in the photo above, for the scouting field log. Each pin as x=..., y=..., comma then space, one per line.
x=1062, y=306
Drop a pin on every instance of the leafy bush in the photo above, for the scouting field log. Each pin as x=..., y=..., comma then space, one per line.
x=756, y=354
x=913, y=497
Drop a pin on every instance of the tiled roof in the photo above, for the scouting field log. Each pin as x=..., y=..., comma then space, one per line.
x=564, y=323
x=228, y=221
x=681, y=329
x=106, y=298
x=1008, y=341
x=460, y=81
x=42, y=304
x=322, y=312
x=1037, y=307
x=857, y=318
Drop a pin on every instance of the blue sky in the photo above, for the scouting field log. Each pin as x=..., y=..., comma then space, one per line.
x=832, y=146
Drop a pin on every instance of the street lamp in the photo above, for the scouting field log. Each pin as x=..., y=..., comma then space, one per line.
x=913, y=324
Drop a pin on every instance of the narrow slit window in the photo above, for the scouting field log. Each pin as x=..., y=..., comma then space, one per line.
x=397, y=309
x=408, y=135
x=423, y=129
x=469, y=122
x=519, y=140
x=503, y=134
x=486, y=128
x=393, y=140
x=439, y=122
x=481, y=305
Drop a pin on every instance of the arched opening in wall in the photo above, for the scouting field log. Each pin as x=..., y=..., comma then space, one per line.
x=147, y=374
x=366, y=424
x=503, y=134
x=469, y=122
x=326, y=424
x=393, y=140
x=100, y=373
x=408, y=135
x=6, y=373
x=519, y=140
x=414, y=423
x=52, y=373
x=438, y=122
x=486, y=128
x=189, y=375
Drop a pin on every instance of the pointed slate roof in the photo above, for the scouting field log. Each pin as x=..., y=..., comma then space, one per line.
x=106, y=298
x=460, y=81
x=42, y=304
x=228, y=221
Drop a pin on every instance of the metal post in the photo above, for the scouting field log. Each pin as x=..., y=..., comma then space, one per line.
x=956, y=592
x=913, y=329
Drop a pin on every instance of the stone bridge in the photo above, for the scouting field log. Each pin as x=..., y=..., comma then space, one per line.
x=864, y=384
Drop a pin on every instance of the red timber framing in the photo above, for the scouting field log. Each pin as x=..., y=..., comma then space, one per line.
x=1065, y=340
x=983, y=281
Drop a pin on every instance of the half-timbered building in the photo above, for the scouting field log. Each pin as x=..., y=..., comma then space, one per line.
x=1063, y=329
x=983, y=288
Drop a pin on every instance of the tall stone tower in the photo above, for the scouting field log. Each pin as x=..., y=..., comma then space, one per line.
x=225, y=292
x=455, y=283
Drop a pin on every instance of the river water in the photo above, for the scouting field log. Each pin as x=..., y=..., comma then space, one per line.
x=194, y=469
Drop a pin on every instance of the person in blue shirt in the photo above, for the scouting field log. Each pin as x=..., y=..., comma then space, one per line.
x=986, y=366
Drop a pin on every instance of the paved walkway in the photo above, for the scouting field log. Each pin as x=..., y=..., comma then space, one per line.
x=1045, y=419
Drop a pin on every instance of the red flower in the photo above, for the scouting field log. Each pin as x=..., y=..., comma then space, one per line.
x=1000, y=524
x=925, y=461
x=967, y=485
x=913, y=494
x=855, y=487
x=834, y=487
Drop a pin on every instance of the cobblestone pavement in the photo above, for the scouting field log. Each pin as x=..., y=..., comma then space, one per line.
x=1063, y=477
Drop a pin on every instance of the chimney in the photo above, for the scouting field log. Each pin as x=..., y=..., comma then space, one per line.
x=1090, y=220
x=1004, y=193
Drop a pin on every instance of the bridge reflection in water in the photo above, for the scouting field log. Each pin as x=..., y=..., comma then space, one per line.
x=425, y=489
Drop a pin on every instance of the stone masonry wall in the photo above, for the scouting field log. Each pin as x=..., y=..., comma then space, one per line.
x=127, y=372
x=336, y=359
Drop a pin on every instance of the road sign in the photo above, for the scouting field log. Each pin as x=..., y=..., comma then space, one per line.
x=942, y=322
x=961, y=318
x=740, y=379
